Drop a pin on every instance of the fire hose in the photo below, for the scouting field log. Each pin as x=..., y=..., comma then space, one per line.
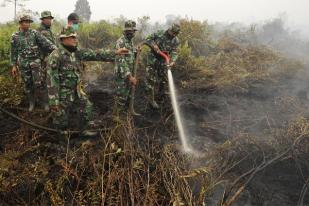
x=37, y=126
x=32, y=124
x=165, y=57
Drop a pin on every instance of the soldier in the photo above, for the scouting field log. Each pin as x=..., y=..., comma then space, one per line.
x=45, y=27
x=73, y=21
x=124, y=65
x=64, y=82
x=26, y=48
x=156, y=70
x=45, y=30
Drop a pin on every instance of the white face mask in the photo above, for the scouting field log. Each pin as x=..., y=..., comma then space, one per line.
x=75, y=27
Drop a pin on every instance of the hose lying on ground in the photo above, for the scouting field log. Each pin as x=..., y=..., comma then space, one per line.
x=37, y=126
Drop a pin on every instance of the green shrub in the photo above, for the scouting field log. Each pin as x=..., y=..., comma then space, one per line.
x=99, y=34
x=6, y=31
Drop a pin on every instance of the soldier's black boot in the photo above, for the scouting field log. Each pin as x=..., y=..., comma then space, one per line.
x=89, y=133
x=131, y=109
x=86, y=132
x=43, y=96
x=31, y=102
x=133, y=113
x=153, y=102
x=45, y=103
x=46, y=107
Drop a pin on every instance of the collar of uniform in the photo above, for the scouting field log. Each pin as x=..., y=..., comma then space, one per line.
x=43, y=26
x=64, y=50
x=25, y=33
x=126, y=40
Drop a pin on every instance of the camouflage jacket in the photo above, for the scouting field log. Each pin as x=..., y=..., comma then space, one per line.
x=46, y=31
x=29, y=45
x=124, y=64
x=165, y=44
x=64, y=69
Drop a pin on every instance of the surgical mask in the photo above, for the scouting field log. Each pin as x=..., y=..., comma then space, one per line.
x=129, y=35
x=70, y=48
x=47, y=26
x=75, y=27
x=171, y=34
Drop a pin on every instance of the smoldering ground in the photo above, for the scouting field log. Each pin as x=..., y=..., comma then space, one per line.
x=256, y=107
x=244, y=102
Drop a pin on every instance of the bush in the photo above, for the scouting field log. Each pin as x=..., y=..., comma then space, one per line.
x=197, y=35
x=6, y=31
x=99, y=34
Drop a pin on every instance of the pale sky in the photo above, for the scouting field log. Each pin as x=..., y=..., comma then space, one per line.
x=245, y=11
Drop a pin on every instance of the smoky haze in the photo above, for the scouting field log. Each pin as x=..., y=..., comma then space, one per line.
x=245, y=11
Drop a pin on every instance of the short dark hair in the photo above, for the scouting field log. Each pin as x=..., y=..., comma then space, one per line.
x=73, y=17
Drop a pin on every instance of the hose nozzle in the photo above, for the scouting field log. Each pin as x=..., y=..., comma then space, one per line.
x=166, y=57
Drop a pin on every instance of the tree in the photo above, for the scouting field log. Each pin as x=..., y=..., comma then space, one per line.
x=82, y=8
x=15, y=3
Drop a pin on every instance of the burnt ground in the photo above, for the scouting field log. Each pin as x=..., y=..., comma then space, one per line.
x=211, y=118
x=214, y=117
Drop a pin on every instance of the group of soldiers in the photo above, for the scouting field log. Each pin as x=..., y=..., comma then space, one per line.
x=51, y=67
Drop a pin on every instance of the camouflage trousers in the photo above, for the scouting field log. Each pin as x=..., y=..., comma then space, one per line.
x=33, y=75
x=122, y=92
x=156, y=75
x=72, y=104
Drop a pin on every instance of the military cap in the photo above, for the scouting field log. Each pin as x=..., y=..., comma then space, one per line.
x=73, y=17
x=130, y=26
x=25, y=18
x=175, y=28
x=67, y=32
x=46, y=14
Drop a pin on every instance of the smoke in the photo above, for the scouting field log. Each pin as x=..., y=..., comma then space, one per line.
x=212, y=118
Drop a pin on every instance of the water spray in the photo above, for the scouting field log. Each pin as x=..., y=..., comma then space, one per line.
x=177, y=115
x=175, y=104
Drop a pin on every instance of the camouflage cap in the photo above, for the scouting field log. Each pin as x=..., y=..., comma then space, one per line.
x=175, y=28
x=25, y=18
x=130, y=25
x=67, y=32
x=46, y=14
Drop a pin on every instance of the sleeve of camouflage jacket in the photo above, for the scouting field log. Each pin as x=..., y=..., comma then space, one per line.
x=151, y=39
x=99, y=55
x=44, y=43
x=122, y=68
x=52, y=79
x=173, y=53
x=14, y=53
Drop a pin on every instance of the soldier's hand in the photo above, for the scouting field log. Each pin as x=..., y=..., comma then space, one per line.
x=55, y=108
x=139, y=48
x=122, y=51
x=132, y=80
x=156, y=48
x=14, y=71
x=172, y=64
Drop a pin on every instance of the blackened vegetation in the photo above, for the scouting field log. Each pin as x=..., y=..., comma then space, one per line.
x=245, y=107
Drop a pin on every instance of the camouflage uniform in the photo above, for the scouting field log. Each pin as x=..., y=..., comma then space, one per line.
x=64, y=81
x=124, y=65
x=156, y=70
x=26, y=48
x=44, y=29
